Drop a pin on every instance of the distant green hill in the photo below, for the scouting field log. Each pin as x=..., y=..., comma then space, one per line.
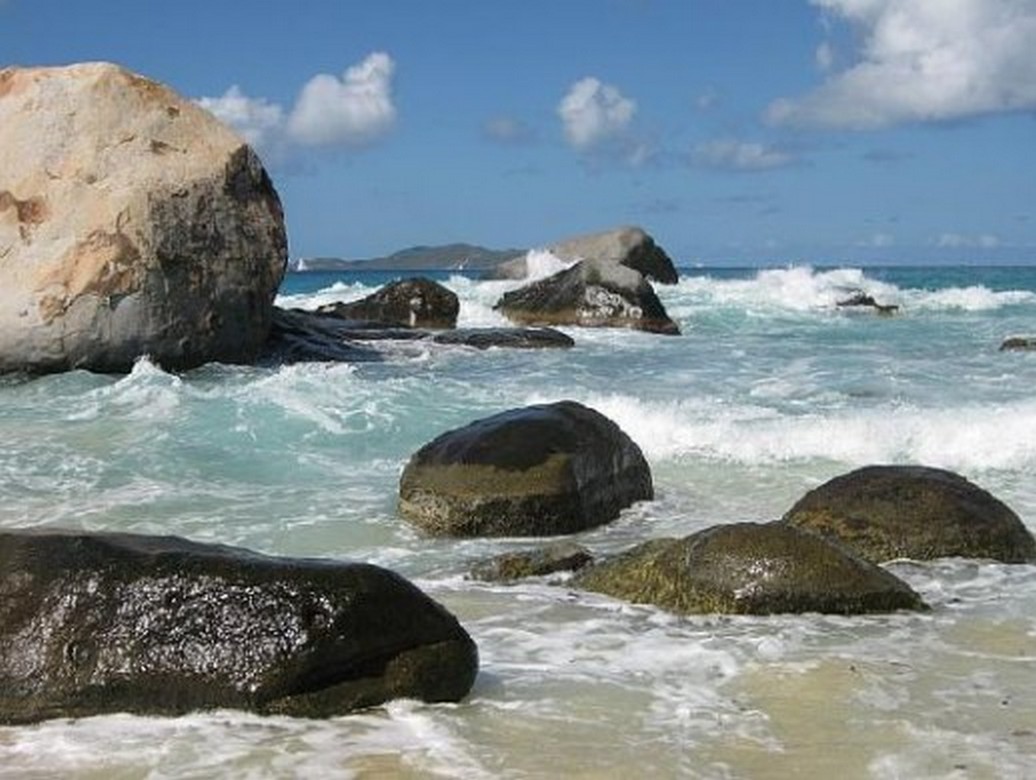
x=450, y=257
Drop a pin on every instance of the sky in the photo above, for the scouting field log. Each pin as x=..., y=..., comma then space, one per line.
x=734, y=131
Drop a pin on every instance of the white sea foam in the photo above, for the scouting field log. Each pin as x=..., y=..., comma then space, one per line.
x=339, y=292
x=968, y=438
x=541, y=263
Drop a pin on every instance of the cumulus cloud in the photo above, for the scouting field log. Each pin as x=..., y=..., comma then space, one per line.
x=728, y=153
x=353, y=110
x=920, y=61
x=593, y=113
x=255, y=119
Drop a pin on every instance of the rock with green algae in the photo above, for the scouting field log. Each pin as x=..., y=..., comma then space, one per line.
x=94, y=623
x=541, y=470
x=557, y=557
x=749, y=568
x=887, y=512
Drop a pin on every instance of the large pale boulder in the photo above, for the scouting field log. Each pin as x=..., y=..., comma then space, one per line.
x=627, y=246
x=131, y=222
x=93, y=623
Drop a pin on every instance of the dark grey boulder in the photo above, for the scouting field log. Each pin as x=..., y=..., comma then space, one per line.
x=749, y=568
x=299, y=336
x=593, y=293
x=509, y=338
x=861, y=300
x=626, y=246
x=557, y=557
x=97, y=623
x=888, y=512
x=537, y=471
x=409, y=303
x=1018, y=344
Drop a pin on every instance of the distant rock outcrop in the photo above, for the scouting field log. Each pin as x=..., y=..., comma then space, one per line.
x=592, y=293
x=508, y=338
x=408, y=303
x=94, y=623
x=131, y=223
x=536, y=471
x=626, y=246
x=861, y=300
x=888, y=512
x=1018, y=344
x=749, y=568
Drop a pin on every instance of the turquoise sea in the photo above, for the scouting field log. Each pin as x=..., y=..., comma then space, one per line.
x=770, y=391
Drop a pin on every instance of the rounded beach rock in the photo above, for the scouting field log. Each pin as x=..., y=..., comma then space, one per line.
x=537, y=471
x=592, y=294
x=749, y=568
x=888, y=512
x=94, y=623
x=407, y=303
x=131, y=222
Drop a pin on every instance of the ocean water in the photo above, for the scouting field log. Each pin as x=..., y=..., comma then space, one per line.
x=770, y=391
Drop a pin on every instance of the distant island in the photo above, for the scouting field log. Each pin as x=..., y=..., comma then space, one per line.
x=449, y=257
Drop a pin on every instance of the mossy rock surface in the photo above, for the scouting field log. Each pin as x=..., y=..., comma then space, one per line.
x=888, y=512
x=749, y=568
x=536, y=471
x=95, y=623
x=553, y=558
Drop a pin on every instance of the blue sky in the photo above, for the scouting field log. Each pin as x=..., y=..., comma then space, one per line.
x=735, y=131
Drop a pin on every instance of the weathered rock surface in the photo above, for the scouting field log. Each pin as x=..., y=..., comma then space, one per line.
x=626, y=246
x=100, y=623
x=537, y=471
x=408, y=303
x=557, y=557
x=303, y=337
x=888, y=512
x=1018, y=343
x=593, y=293
x=861, y=300
x=131, y=222
x=749, y=568
x=510, y=338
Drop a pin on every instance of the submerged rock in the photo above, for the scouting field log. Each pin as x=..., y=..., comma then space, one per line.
x=749, y=568
x=409, y=303
x=303, y=337
x=101, y=623
x=131, y=222
x=592, y=293
x=860, y=299
x=1018, y=343
x=888, y=512
x=626, y=246
x=509, y=338
x=557, y=557
x=537, y=471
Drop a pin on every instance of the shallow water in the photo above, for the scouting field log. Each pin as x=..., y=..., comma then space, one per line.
x=770, y=391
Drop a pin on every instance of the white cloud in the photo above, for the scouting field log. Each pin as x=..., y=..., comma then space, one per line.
x=593, y=113
x=825, y=56
x=958, y=241
x=878, y=241
x=352, y=110
x=739, y=155
x=508, y=130
x=924, y=60
x=255, y=119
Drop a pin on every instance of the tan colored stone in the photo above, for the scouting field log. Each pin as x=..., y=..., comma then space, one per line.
x=131, y=222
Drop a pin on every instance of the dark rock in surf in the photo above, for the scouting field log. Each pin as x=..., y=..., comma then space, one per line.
x=888, y=512
x=626, y=246
x=860, y=299
x=592, y=293
x=537, y=471
x=749, y=568
x=409, y=303
x=1019, y=344
x=558, y=557
x=300, y=336
x=94, y=623
x=508, y=338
